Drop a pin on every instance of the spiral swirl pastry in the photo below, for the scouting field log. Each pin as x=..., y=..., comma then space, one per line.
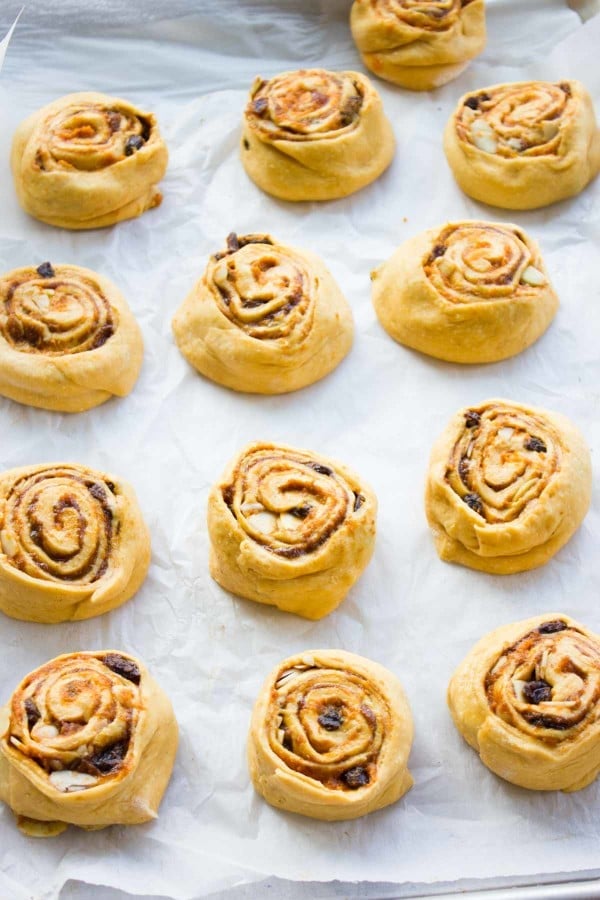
x=92, y=724
x=73, y=543
x=526, y=698
x=68, y=340
x=418, y=44
x=330, y=736
x=508, y=486
x=88, y=160
x=264, y=318
x=315, y=135
x=524, y=145
x=468, y=292
x=290, y=529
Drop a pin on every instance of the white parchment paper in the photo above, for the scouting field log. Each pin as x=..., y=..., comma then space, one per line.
x=379, y=412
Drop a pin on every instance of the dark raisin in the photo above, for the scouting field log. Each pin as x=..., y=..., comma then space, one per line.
x=110, y=486
x=438, y=250
x=103, y=335
x=472, y=419
x=300, y=512
x=233, y=243
x=46, y=270
x=228, y=494
x=473, y=501
x=133, y=143
x=322, y=470
x=472, y=102
x=290, y=552
x=114, y=121
x=537, y=691
x=33, y=713
x=97, y=491
x=548, y=722
x=110, y=757
x=483, y=98
x=463, y=469
x=358, y=501
x=246, y=144
x=35, y=533
x=126, y=668
x=552, y=627
x=260, y=106
x=536, y=445
x=331, y=718
x=356, y=777
x=566, y=88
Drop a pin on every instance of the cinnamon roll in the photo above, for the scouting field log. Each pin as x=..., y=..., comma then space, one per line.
x=508, y=486
x=527, y=699
x=88, y=160
x=418, y=44
x=68, y=340
x=264, y=318
x=290, y=528
x=330, y=736
x=73, y=543
x=524, y=145
x=470, y=292
x=88, y=739
x=315, y=135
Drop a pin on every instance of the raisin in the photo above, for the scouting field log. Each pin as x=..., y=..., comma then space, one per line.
x=228, y=494
x=133, y=143
x=472, y=102
x=472, y=419
x=33, y=713
x=322, y=470
x=110, y=486
x=103, y=335
x=110, y=757
x=246, y=144
x=358, y=501
x=438, y=250
x=473, y=501
x=537, y=691
x=536, y=445
x=126, y=668
x=331, y=718
x=114, y=121
x=300, y=512
x=566, y=88
x=233, y=243
x=552, y=627
x=483, y=98
x=463, y=469
x=46, y=270
x=260, y=106
x=356, y=777
x=97, y=491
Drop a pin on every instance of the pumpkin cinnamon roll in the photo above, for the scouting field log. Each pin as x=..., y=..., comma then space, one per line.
x=330, y=736
x=68, y=340
x=469, y=292
x=73, y=543
x=527, y=699
x=290, y=528
x=508, y=486
x=315, y=134
x=418, y=44
x=88, y=739
x=524, y=145
x=264, y=318
x=88, y=160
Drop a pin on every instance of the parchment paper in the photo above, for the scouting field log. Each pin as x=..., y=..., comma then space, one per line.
x=379, y=412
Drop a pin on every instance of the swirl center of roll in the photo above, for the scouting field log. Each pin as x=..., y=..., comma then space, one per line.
x=429, y=15
x=503, y=461
x=547, y=684
x=306, y=105
x=58, y=525
x=328, y=724
x=64, y=314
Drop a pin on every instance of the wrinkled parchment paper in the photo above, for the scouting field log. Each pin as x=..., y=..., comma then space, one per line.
x=379, y=412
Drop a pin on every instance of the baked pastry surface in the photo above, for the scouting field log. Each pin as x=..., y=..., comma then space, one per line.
x=330, y=736
x=68, y=340
x=88, y=739
x=73, y=543
x=290, y=528
x=469, y=292
x=508, y=485
x=264, y=318
x=418, y=44
x=315, y=134
x=88, y=160
x=526, y=699
x=525, y=144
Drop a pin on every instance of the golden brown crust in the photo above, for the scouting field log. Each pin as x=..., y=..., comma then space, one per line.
x=88, y=739
x=264, y=318
x=468, y=292
x=330, y=736
x=290, y=528
x=68, y=340
x=508, y=486
x=73, y=543
x=526, y=698
x=315, y=134
x=524, y=145
x=418, y=45
x=88, y=160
